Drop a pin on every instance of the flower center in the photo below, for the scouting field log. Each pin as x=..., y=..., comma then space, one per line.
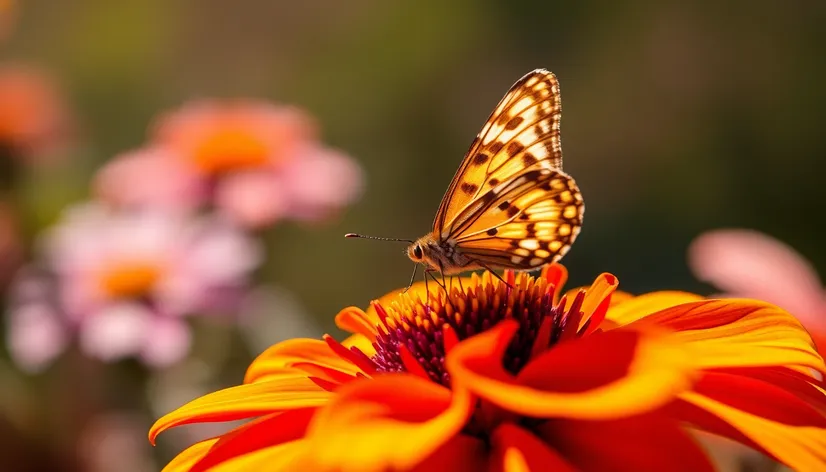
x=230, y=149
x=129, y=280
x=418, y=325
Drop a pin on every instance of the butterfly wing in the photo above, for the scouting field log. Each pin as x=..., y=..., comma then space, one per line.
x=522, y=132
x=523, y=223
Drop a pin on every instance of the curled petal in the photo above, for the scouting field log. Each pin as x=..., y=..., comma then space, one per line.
x=556, y=274
x=286, y=353
x=605, y=375
x=355, y=320
x=392, y=422
x=739, y=333
x=287, y=392
x=517, y=450
x=597, y=300
x=650, y=442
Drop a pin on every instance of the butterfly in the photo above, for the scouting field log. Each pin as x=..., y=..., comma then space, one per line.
x=510, y=205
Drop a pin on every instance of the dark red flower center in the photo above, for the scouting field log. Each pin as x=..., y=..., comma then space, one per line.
x=418, y=325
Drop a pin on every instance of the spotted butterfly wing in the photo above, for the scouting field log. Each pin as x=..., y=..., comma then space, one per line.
x=510, y=205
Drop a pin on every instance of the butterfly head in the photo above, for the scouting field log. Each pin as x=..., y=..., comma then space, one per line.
x=415, y=252
x=422, y=249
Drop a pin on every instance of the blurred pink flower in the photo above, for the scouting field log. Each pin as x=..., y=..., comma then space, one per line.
x=123, y=283
x=255, y=162
x=150, y=177
x=33, y=117
x=747, y=263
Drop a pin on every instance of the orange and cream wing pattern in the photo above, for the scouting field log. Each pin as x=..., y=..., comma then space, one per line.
x=527, y=222
x=521, y=133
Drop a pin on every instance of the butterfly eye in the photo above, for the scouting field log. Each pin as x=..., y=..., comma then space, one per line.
x=417, y=252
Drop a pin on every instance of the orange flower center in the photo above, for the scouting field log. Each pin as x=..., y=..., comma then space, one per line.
x=417, y=326
x=130, y=280
x=229, y=150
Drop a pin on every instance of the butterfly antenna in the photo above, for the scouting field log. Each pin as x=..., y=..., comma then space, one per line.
x=362, y=236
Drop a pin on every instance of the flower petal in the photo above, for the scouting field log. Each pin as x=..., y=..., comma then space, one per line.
x=649, y=442
x=517, y=450
x=799, y=447
x=460, y=452
x=784, y=398
x=633, y=309
x=597, y=300
x=605, y=375
x=190, y=456
x=287, y=353
x=355, y=320
x=287, y=392
x=287, y=457
x=391, y=422
x=268, y=431
x=738, y=332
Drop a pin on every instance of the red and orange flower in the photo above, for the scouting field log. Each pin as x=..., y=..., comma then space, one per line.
x=514, y=377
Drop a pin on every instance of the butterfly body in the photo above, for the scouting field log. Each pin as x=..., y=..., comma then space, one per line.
x=509, y=205
x=442, y=256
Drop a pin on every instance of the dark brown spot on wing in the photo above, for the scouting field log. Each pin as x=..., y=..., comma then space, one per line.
x=514, y=123
x=512, y=211
x=515, y=148
x=469, y=188
x=534, y=174
x=504, y=206
x=503, y=119
x=492, y=232
x=531, y=229
x=496, y=146
x=529, y=159
x=493, y=182
x=480, y=159
x=549, y=147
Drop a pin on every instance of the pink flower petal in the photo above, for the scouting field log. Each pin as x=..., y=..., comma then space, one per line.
x=35, y=336
x=168, y=342
x=115, y=332
x=253, y=199
x=150, y=177
x=320, y=181
x=750, y=264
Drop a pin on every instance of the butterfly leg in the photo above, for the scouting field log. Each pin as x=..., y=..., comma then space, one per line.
x=444, y=286
x=494, y=273
x=427, y=271
x=413, y=278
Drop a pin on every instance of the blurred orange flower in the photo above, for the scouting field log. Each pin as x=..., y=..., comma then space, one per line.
x=220, y=138
x=7, y=12
x=513, y=377
x=33, y=117
x=255, y=162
